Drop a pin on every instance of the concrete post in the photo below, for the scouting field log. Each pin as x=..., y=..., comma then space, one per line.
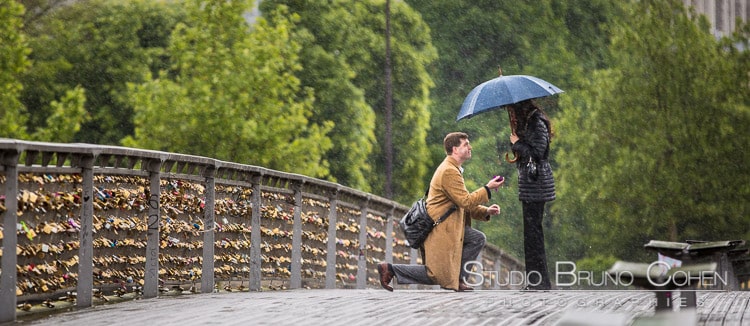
x=362, y=257
x=151, y=281
x=207, y=271
x=85, y=285
x=296, y=265
x=8, y=299
x=255, y=236
x=331, y=249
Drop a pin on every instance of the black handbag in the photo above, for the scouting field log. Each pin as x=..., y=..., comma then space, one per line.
x=532, y=172
x=417, y=224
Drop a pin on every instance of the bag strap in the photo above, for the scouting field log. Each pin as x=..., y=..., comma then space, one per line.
x=442, y=218
x=448, y=213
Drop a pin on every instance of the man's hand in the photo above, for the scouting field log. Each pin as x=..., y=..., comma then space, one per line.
x=493, y=210
x=495, y=182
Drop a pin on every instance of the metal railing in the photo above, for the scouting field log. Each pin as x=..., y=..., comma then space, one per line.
x=83, y=219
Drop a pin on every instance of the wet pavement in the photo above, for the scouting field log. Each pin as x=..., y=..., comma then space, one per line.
x=411, y=307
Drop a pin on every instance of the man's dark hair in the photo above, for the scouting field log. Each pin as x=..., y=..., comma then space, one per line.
x=453, y=140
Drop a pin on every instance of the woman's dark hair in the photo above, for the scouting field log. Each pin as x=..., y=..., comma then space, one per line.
x=523, y=111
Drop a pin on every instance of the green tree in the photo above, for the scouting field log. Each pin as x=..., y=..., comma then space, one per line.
x=66, y=118
x=116, y=42
x=655, y=149
x=350, y=34
x=65, y=115
x=331, y=79
x=231, y=94
x=13, y=62
x=588, y=23
x=36, y=9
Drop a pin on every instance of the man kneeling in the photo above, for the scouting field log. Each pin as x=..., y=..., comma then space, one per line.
x=453, y=242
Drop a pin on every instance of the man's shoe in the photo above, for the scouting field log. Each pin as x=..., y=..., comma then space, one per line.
x=385, y=275
x=463, y=287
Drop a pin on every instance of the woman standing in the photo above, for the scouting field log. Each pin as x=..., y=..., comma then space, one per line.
x=530, y=135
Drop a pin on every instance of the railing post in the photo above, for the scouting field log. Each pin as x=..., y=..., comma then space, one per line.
x=255, y=236
x=151, y=282
x=480, y=267
x=362, y=260
x=295, y=281
x=498, y=267
x=413, y=257
x=8, y=298
x=207, y=271
x=331, y=249
x=389, y=236
x=85, y=285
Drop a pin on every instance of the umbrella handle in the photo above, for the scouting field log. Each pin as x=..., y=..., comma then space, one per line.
x=509, y=160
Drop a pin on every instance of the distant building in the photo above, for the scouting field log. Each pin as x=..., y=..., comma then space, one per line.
x=721, y=13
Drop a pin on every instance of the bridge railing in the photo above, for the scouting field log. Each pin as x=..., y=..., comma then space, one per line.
x=87, y=219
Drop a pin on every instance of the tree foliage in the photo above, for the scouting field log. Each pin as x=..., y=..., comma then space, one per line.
x=231, y=94
x=351, y=35
x=116, y=42
x=330, y=78
x=589, y=26
x=67, y=116
x=62, y=119
x=13, y=62
x=655, y=148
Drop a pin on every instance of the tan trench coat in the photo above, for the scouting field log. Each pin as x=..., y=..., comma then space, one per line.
x=443, y=246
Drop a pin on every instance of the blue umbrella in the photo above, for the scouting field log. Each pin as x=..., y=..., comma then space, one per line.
x=502, y=91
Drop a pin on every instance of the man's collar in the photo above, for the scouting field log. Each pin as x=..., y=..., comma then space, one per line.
x=454, y=162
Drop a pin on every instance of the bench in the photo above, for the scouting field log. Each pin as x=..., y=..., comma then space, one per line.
x=663, y=279
x=740, y=260
x=695, y=251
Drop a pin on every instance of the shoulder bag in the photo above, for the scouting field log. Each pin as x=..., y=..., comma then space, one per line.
x=417, y=224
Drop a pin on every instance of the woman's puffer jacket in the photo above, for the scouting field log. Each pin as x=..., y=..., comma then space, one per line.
x=535, y=144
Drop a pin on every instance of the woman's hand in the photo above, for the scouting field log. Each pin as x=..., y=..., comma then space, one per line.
x=513, y=138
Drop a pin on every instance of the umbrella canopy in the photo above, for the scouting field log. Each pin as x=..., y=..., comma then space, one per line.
x=502, y=91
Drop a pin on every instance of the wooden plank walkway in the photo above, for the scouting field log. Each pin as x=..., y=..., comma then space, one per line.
x=411, y=307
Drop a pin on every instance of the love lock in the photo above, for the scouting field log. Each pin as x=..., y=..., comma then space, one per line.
x=24, y=306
